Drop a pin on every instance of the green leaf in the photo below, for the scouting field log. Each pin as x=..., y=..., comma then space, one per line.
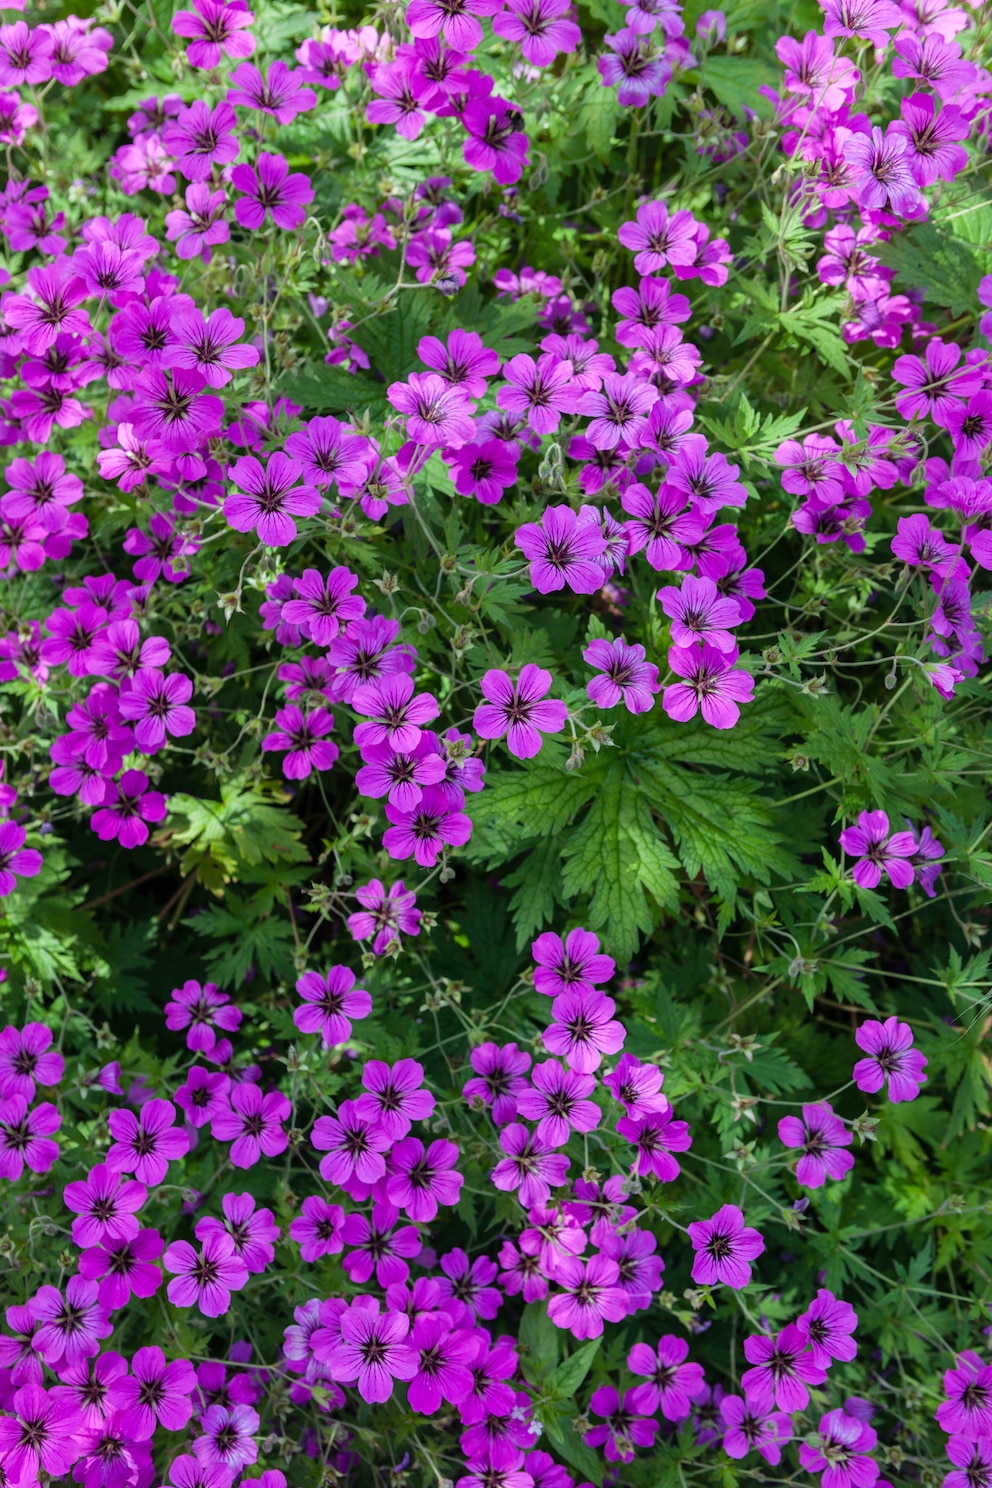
x=540, y=1338
x=563, y=1382
x=537, y=888
x=617, y=856
x=246, y=826
x=930, y=256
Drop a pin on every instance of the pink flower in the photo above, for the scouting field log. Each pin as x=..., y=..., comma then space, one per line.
x=563, y=551
x=656, y=1136
x=105, y=1207
x=748, y=1424
x=302, y=736
x=426, y=830
x=583, y=1030
x=455, y=21
x=216, y=28
x=202, y=138
x=843, y=1444
x=626, y=678
x=539, y=392
x=154, y=1393
x=891, y=1057
x=201, y=1010
x=573, y=965
x=558, y=1102
x=672, y=1384
x=542, y=27
x=278, y=93
x=269, y=188
x=698, y=612
x=782, y=1370
x=272, y=498
x=437, y=413
x=821, y=1137
x=354, y=1146
x=126, y=807
x=589, y=1295
x=827, y=1325
x=395, y=1096
x=530, y=1165
x=16, y=860
x=396, y=714
x=252, y=1124
x=712, y=686
x=371, y=1351
x=204, y=1094
x=878, y=852
x=318, y=1229
x=625, y=1426
x=145, y=1144
x=251, y=1229
x=331, y=1001
x=498, y=1080
x=385, y=914
x=420, y=1179
x=39, y=1434
x=724, y=1248
x=26, y=1137
x=27, y=1059
x=156, y=704
x=207, y=1278
x=324, y=605
x=515, y=710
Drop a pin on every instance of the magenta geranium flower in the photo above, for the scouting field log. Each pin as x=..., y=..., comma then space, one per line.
x=331, y=1001
x=145, y=1144
x=626, y=1425
x=124, y=1268
x=426, y=830
x=783, y=1370
x=589, y=1294
x=157, y=705
x=530, y=1165
x=841, y=1453
x=827, y=1325
x=252, y=1230
x=279, y=92
x=967, y=1411
x=215, y=28
x=656, y=1136
x=436, y=412
x=498, y=1079
x=269, y=189
x=540, y=391
x=542, y=27
x=154, y=1393
x=444, y=1357
x=515, y=709
x=105, y=1206
x=558, y=1101
x=724, y=1248
x=673, y=1382
x=385, y=915
x=271, y=498
x=16, y=860
x=324, y=605
x=27, y=1059
x=891, y=1057
x=879, y=852
x=748, y=1425
x=70, y=1325
x=201, y=138
x=455, y=20
x=371, y=1351
x=228, y=1440
x=934, y=383
x=699, y=612
x=26, y=1137
x=354, y=1146
x=199, y=227
x=252, y=1123
x=395, y=712
x=563, y=551
x=318, y=1229
x=203, y=1095
x=395, y=1095
x=822, y=1138
x=626, y=677
x=583, y=1030
x=420, y=1179
x=637, y=1087
x=712, y=685
x=207, y=1278
x=126, y=808
x=380, y=1249
x=39, y=1434
x=302, y=736
x=201, y=1010
x=574, y=965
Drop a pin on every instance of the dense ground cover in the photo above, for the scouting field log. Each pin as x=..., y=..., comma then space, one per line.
x=494, y=838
